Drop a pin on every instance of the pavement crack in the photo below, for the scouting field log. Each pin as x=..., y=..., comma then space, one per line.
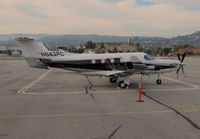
x=86, y=89
x=4, y=134
x=92, y=96
x=173, y=109
x=90, y=83
x=87, y=92
x=114, y=132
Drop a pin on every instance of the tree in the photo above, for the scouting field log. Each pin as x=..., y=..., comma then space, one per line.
x=138, y=46
x=190, y=53
x=167, y=50
x=148, y=51
x=158, y=50
x=80, y=50
x=115, y=50
x=141, y=49
x=102, y=46
x=186, y=45
x=72, y=50
x=109, y=51
x=90, y=45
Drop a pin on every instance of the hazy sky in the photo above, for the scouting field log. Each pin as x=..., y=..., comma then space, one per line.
x=105, y=17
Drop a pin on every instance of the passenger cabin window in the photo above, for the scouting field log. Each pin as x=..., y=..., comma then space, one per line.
x=148, y=57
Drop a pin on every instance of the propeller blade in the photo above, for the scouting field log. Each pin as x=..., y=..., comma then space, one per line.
x=178, y=55
x=182, y=69
x=183, y=57
x=178, y=70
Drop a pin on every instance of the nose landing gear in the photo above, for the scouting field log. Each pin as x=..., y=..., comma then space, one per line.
x=158, y=81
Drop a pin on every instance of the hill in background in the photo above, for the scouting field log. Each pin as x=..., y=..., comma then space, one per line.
x=74, y=40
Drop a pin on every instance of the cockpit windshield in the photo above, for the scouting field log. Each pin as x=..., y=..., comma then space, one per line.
x=148, y=57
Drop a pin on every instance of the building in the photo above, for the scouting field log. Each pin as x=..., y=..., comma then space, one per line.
x=111, y=46
x=81, y=46
x=14, y=51
x=129, y=41
x=62, y=47
x=121, y=46
x=3, y=51
x=10, y=51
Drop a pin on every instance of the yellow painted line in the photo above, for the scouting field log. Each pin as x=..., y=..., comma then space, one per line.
x=71, y=83
x=118, y=88
x=90, y=114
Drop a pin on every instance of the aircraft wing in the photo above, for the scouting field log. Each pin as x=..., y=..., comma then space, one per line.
x=124, y=73
x=102, y=73
x=118, y=73
x=137, y=68
x=147, y=72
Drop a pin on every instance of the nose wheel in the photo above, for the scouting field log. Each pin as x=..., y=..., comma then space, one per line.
x=159, y=81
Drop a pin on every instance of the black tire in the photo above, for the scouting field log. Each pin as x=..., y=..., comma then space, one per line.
x=158, y=81
x=122, y=84
x=113, y=80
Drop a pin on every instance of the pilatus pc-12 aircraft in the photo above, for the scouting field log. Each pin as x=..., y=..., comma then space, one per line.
x=115, y=66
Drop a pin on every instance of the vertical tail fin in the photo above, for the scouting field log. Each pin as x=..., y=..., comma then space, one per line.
x=31, y=50
x=31, y=47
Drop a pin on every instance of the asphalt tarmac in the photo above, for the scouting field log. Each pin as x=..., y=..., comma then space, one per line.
x=38, y=104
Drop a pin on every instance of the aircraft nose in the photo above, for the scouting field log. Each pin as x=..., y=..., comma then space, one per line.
x=179, y=63
x=173, y=63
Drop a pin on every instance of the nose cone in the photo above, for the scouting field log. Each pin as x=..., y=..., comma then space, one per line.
x=166, y=62
x=178, y=62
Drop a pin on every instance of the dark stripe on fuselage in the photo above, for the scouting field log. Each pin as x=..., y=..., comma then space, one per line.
x=98, y=65
x=87, y=64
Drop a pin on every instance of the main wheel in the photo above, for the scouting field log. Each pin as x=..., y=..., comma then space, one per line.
x=122, y=84
x=158, y=81
x=113, y=80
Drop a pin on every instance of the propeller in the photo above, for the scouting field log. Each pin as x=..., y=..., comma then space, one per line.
x=181, y=63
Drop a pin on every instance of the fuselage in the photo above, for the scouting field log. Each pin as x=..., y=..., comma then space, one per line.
x=109, y=62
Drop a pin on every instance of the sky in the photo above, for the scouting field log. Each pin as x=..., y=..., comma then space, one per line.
x=166, y=18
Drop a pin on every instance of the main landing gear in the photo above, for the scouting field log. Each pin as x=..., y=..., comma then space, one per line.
x=122, y=84
x=113, y=80
x=159, y=81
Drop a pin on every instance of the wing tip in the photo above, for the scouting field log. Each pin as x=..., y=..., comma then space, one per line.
x=23, y=39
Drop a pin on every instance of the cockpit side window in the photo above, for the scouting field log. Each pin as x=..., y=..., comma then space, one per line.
x=148, y=57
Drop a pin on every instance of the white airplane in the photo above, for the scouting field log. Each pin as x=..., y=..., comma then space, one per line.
x=115, y=66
